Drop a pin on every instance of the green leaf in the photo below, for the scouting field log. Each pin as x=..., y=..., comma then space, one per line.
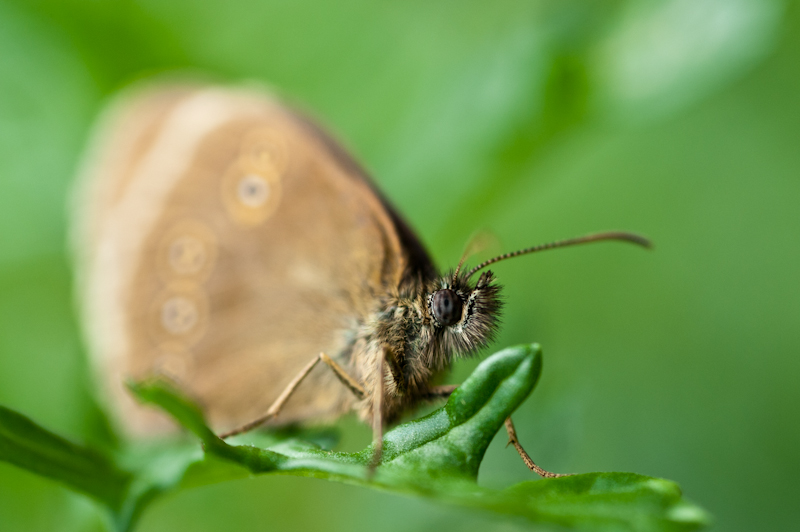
x=604, y=501
x=437, y=456
x=26, y=445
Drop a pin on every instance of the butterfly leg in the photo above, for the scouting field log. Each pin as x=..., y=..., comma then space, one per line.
x=439, y=392
x=276, y=406
x=377, y=418
x=349, y=382
x=512, y=440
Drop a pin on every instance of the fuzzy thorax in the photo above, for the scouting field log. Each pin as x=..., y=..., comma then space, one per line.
x=419, y=342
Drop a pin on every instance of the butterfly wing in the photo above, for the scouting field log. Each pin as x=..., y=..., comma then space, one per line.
x=225, y=240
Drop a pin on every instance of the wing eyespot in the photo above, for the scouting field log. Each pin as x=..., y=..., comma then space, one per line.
x=188, y=251
x=250, y=196
x=251, y=187
x=187, y=255
x=174, y=361
x=180, y=315
x=253, y=191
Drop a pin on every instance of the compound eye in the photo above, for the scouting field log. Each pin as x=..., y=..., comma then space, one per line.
x=446, y=307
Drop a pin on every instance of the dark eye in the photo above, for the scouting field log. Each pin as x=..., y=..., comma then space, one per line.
x=446, y=307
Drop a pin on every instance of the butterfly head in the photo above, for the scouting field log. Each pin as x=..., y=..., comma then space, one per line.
x=464, y=314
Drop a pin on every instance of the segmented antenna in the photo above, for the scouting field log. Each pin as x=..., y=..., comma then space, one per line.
x=476, y=243
x=610, y=235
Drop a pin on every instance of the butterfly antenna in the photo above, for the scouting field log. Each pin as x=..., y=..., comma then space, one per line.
x=597, y=237
x=477, y=242
x=460, y=264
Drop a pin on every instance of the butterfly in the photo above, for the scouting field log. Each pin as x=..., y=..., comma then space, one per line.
x=227, y=241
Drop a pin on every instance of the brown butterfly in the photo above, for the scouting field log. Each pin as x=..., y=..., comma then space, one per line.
x=226, y=241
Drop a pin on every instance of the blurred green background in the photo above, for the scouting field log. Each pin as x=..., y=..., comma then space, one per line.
x=536, y=120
